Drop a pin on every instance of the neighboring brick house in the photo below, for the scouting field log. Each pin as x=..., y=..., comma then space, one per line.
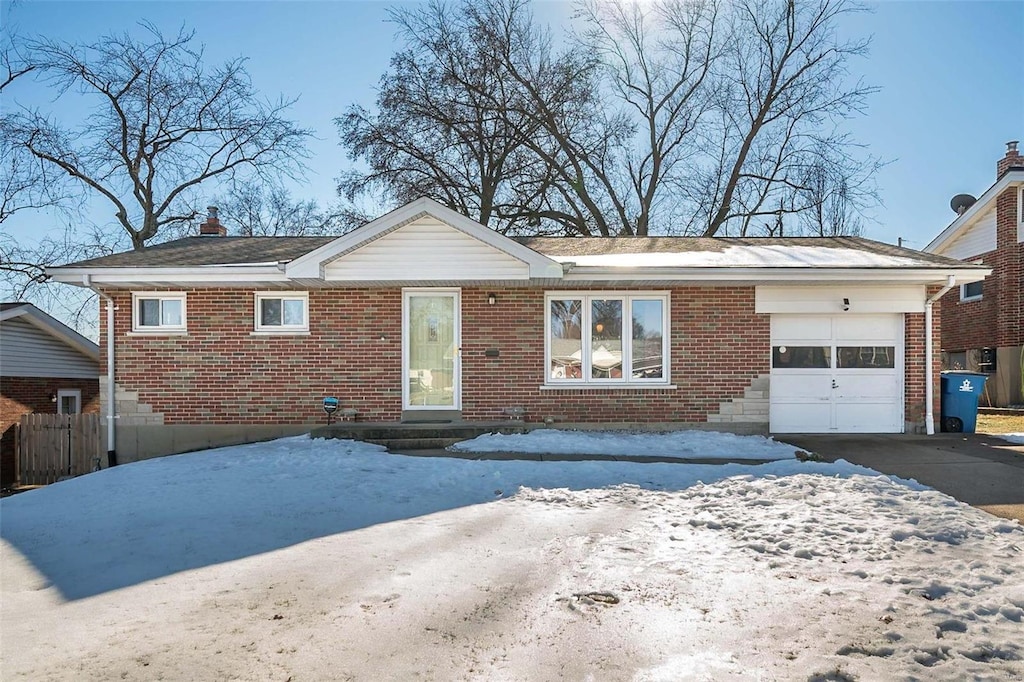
x=424, y=314
x=983, y=322
x=45, y=367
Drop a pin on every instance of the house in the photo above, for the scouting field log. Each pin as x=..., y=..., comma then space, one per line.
x=983, y=322
x=424, y=314
x=45, y=367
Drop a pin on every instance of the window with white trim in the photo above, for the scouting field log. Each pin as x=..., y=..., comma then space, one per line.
x=158, y=313
x=282, y=313
x=606, y=338
x=971, y=292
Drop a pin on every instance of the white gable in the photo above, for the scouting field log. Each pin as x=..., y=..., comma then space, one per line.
x=422, y=241
x=426, y=249
x=977, y=239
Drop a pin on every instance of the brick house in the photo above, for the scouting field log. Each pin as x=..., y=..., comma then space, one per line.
x=983, y=322
x=45, y=367
x=424, y=314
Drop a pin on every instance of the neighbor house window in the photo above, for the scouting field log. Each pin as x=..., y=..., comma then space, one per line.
x=69, y=401
x=607, y=338
x=282, y=313
x=970, y=292
x=158, y=312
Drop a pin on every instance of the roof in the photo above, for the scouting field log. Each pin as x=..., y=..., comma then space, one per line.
x=303, y=261
x=736, y=252
x=963, y=222
x=51, y=326
x=200, y=251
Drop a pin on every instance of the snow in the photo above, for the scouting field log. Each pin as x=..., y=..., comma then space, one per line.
x=309, y=559
x=746, y=256
x=678, y=444
x=1017, y=438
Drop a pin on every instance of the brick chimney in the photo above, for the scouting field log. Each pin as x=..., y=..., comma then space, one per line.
x=1013, y=159
x=212, y=226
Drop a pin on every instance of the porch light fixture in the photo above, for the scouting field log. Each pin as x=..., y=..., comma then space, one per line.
x=492, y=299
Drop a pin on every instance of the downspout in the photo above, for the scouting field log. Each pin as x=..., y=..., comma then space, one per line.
x=929, y=373
x=111, y=384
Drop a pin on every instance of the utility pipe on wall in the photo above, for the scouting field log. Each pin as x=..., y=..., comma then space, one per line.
x=929, y=372
x=111, y=398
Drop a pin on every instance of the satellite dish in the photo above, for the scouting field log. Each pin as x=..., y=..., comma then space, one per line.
x=961, y=202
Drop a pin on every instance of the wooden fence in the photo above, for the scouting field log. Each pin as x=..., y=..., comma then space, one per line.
x=56, y=446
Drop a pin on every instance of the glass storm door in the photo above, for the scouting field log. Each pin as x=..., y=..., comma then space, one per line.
x=431, y=362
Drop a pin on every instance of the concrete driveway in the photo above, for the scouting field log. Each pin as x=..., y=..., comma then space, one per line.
x=982, y=470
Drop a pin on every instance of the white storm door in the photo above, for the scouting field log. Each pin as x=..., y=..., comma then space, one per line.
x=431, y=349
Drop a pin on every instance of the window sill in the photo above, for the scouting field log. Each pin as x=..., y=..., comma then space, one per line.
x=158, y=332
x=287, y=332
x=601, y=387
x=972, y=299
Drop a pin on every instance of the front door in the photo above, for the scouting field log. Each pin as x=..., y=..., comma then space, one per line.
x=431, y=340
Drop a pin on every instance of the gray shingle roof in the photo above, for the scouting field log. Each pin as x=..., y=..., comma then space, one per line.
x=196, y=251
x=635, y=251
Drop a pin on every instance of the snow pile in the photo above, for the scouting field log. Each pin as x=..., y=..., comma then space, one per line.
x=1017, y=438
x=320, y=559
x=680, y=444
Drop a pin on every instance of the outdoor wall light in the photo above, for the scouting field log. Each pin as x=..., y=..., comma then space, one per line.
x=492, y=299
x=846, y=304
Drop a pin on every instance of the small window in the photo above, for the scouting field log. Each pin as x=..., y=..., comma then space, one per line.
x=970, y=292
x=801, y=357
x=866, y=357
x=69, y=401
x=158, y=313
x=282, y=313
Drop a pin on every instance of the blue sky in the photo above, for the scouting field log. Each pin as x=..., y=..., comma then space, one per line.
x=952, y=85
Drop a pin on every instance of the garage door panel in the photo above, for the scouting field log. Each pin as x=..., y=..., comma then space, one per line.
x=802, y=387
x=865, y=328
x=868, y=418
x=790, y=327
x=800, y=418
x=853, y=387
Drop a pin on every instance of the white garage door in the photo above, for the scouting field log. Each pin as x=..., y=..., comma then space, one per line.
x=837, y=373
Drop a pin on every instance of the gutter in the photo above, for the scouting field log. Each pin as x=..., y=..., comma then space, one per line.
x=929, y=370
x=111, y=390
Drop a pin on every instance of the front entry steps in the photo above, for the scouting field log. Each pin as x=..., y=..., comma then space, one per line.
x=416, y=436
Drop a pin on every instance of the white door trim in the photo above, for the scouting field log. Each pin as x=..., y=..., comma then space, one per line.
x=69, y=393
x=456, y=294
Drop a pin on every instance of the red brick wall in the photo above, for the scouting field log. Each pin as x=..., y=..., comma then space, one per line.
x=914, y=375
x=997, y=320
x=25, y=395
x=221, y=373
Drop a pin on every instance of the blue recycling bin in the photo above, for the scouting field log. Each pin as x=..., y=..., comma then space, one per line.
x=959, y=400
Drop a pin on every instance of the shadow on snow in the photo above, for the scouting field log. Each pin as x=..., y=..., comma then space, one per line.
x=143, y=521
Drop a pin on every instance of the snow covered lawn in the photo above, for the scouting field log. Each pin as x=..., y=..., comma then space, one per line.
x=313, y=560
x=678, y=444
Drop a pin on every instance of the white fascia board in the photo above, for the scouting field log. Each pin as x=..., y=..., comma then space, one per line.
x=759, y=275
x=203, y=274
x=312, y=264
x=964, y=220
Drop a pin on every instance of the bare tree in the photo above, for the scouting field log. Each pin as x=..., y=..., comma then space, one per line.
x=254, y=209
x=163, y=125
x=668, y=117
